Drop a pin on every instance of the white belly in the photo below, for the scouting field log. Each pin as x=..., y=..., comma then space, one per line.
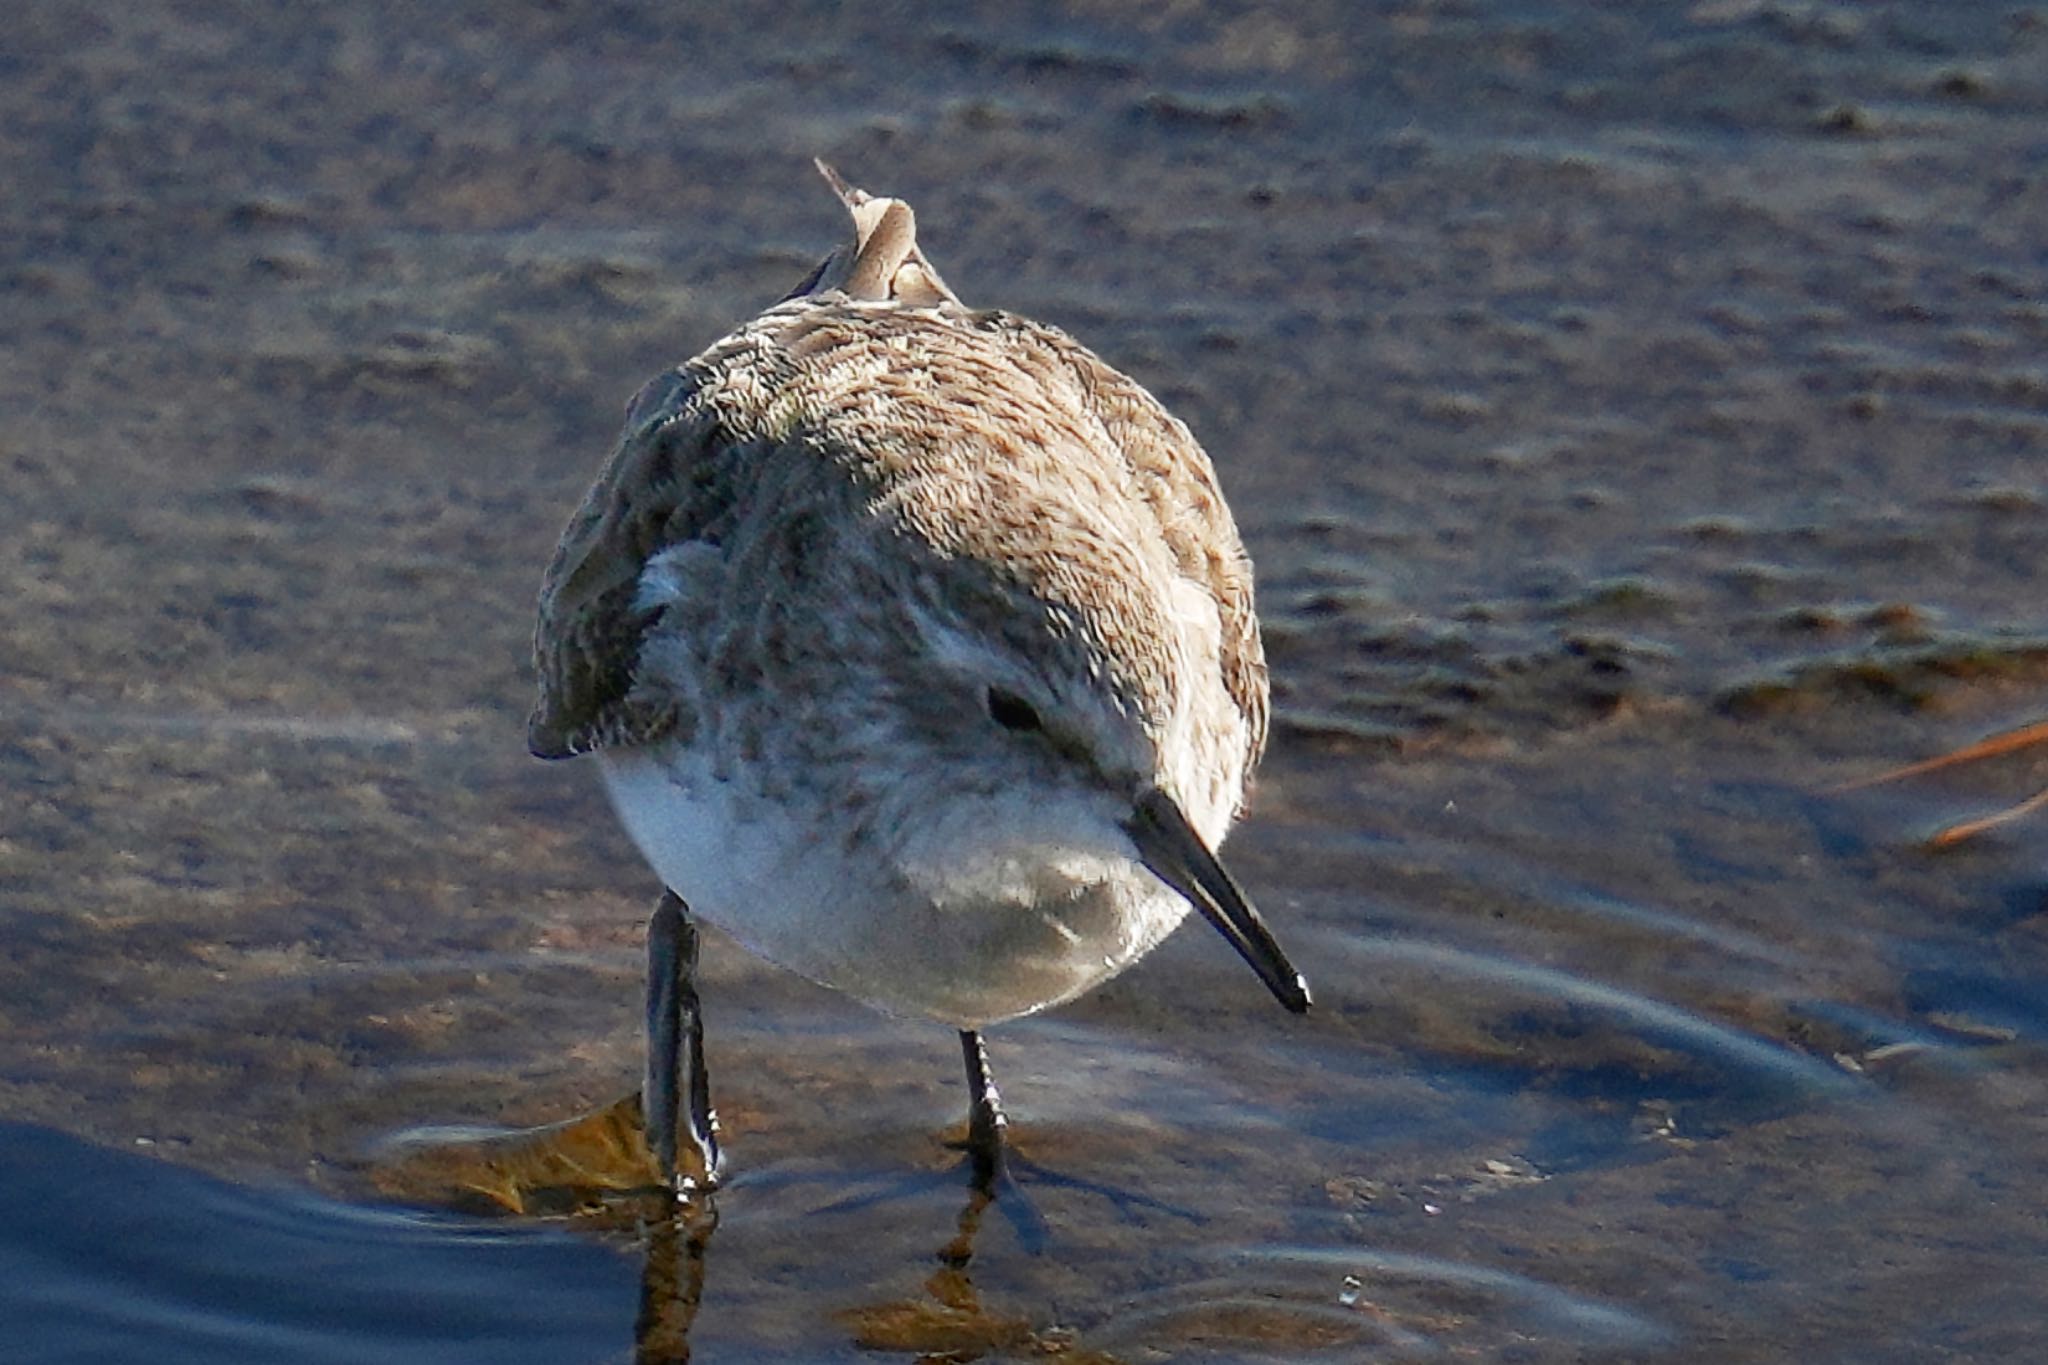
x=996, y=910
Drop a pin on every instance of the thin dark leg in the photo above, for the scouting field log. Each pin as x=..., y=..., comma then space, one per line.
x=658, y=1095
x=985, y=1119
x=703, y=1118
x=677, y=1090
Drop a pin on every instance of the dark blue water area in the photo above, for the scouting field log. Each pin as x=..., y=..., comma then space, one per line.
x=111, y=1257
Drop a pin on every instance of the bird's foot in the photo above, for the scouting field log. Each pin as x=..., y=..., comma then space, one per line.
x=687, y=1157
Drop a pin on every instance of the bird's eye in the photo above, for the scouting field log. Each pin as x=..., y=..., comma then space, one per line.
x=1012, y=712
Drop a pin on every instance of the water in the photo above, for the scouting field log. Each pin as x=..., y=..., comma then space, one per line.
x=1638, y=422
x=111, y=1256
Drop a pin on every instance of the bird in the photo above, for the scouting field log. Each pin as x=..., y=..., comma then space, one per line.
x=916, y=648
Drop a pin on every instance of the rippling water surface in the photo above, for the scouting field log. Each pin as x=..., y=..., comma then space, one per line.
x=1637, y=415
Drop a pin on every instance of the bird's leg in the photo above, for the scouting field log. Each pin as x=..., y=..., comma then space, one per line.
x=985, y=1120
x=677, y=1088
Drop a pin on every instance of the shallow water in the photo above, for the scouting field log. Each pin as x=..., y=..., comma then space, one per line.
x=116, y=1257
x=1639, y=423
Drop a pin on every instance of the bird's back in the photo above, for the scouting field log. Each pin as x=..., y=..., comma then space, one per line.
x=975, y=448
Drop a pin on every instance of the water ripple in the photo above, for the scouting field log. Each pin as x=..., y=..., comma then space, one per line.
x=1694, y=1032
x=1291, y=1302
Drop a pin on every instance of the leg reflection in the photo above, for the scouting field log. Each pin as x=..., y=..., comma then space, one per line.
x=672, y=1280
x=951, y=1323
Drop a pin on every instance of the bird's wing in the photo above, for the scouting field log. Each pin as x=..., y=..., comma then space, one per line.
x=1174, y=477
x=586, y=647
x=664, y=486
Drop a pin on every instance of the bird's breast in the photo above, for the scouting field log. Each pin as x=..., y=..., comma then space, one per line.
x=970, y=937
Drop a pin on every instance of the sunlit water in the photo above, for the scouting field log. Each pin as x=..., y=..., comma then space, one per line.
x=1638, y=421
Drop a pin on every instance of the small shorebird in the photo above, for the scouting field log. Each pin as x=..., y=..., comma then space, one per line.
x=916, y=648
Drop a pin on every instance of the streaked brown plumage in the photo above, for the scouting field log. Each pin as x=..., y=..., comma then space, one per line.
x=911, y=636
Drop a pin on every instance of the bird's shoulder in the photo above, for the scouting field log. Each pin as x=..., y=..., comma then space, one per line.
x=667, y=482
x=1171, y=476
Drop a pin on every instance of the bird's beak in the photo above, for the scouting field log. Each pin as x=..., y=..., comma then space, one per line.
x=1168, y=845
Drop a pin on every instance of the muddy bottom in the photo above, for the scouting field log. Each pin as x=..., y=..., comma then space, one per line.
x=1638, y=422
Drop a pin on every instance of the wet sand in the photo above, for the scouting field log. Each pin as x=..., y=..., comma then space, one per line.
x=1638, y=420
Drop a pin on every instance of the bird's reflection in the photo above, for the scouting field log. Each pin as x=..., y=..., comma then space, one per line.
x=598, y=1169
x=672, y=1280
x=595, y=1167
x=950, y=1321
